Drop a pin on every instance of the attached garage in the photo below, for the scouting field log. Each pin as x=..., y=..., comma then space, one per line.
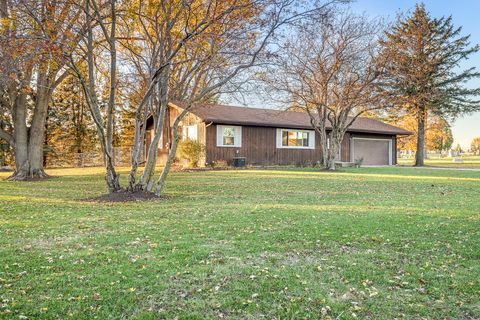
x=373, y=151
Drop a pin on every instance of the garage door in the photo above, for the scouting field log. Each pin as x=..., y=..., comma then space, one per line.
x=375, y=152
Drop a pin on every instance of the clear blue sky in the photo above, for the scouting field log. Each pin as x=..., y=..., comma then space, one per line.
x=465, y=13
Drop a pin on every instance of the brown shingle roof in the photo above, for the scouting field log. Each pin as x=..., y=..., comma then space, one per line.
x=279, y=118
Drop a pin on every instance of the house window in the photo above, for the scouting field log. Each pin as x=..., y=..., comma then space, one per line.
x=229, y=136
x=190, y=132
x=299, y=139
x=294, y=138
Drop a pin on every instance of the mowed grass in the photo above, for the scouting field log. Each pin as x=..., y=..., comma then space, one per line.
x=468, y=162
x=377, y=243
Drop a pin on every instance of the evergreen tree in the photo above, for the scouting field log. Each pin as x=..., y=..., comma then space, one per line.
x=69, y=131
x=422, y=75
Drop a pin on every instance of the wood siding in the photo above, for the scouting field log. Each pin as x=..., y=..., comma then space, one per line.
x=345, y=149
x=170, y=116
x=259, y=145
x=259, y=148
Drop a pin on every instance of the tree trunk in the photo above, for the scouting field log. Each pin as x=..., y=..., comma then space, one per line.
x=141, y=116
x=171, y=154
x=146, y=181
x=28, y=165
x=320, y=128
x=336, y=138
x=37, y=131
x=112, y=177
x=20, y=138
x=28, y=144
x=331, y=156
x=330, y=161
x=420, y=154
x=138, y=145
x=319, y=123
x=323, y=142
x=171, y=157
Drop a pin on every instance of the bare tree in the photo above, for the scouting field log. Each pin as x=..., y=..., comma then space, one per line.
x=104, y=16
x=329, y=69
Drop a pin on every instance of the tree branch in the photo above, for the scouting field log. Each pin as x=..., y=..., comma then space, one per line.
x=7, y=137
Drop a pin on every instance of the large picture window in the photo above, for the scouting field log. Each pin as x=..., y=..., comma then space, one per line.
x=292, y=138
x=229, y=136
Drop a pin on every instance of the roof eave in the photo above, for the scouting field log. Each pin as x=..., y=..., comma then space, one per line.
x=288, y=126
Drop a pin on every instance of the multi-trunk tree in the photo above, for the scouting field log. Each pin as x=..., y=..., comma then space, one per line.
x=184, y=50
x=329, y=69
x=423, y=77
x=100, y=21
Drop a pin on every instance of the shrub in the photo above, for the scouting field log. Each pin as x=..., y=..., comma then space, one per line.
x=358, y=162
x=219, y=164
x=191, y=151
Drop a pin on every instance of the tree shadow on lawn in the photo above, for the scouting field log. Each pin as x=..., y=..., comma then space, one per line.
x=126, y=196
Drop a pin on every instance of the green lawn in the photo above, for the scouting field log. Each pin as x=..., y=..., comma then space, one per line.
x=468, y=162
x=250, y=244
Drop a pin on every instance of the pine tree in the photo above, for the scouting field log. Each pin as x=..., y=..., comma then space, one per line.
x=422, y=76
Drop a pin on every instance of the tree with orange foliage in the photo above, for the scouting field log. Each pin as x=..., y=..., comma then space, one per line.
x=475, y=145
x=34, y=36
x=438, y=134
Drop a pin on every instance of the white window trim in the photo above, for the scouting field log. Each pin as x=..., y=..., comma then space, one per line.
x=237, y=140
x=390, y=146
x=311, y=139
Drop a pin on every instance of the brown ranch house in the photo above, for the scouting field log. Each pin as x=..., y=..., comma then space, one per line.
x=274, y=137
